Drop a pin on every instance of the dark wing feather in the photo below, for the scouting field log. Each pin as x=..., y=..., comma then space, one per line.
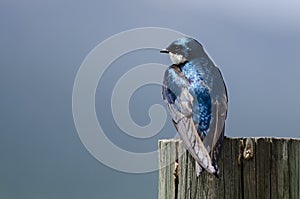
x=219, y=109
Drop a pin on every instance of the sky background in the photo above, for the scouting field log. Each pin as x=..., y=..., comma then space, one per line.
x=43, y=43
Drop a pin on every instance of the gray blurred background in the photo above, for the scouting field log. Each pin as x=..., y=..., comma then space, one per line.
x=43, y=43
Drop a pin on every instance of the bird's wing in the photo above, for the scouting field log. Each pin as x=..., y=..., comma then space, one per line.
x=180, y=104
x=210, y=110
x=214, y=138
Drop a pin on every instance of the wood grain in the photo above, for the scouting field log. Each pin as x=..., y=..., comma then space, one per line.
x=272, y=172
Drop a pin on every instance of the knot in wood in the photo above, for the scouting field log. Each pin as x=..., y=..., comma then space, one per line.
x=248, y=150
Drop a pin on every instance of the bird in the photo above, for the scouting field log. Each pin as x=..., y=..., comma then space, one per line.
x=196, y=96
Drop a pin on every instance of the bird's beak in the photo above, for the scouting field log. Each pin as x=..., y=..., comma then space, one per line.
x=164, y=51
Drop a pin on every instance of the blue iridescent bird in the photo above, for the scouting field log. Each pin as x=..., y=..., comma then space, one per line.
x=196, y=96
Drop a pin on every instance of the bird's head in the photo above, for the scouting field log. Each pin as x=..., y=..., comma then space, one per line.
x=184, y=49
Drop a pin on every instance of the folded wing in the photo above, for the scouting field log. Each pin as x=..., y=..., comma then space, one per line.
x=176, y=93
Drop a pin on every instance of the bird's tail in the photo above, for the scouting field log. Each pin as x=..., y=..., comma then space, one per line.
x=216, y=152
x=194, y=144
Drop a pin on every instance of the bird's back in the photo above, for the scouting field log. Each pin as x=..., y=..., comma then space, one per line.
x=194, y=73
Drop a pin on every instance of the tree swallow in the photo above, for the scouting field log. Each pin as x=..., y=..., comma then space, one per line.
x=196, y=96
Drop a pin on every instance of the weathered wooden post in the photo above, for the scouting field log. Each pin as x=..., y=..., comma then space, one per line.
x=272, y=172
